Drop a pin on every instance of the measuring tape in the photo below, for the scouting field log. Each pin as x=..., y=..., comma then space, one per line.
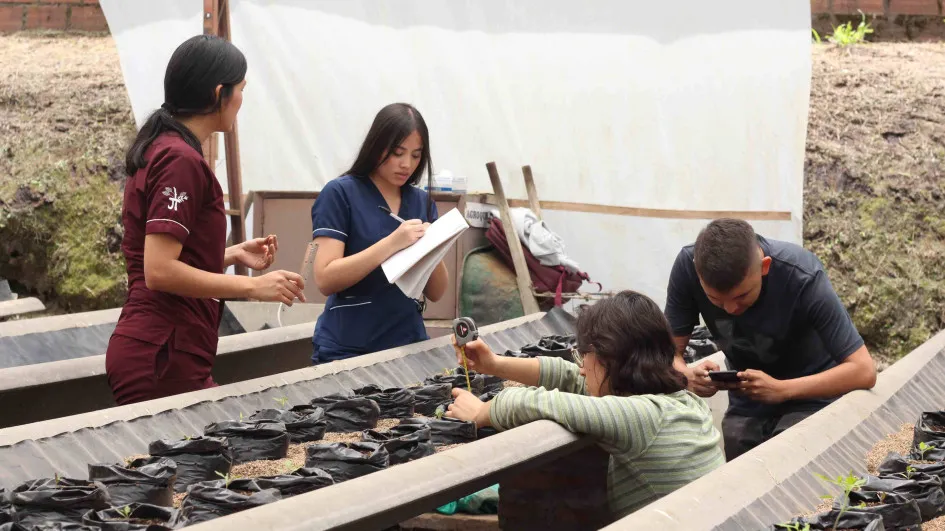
x=464, y=328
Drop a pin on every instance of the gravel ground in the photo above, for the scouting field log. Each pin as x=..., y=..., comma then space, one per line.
x=899, y=443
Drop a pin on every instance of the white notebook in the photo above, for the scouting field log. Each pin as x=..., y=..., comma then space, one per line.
x=411, y=268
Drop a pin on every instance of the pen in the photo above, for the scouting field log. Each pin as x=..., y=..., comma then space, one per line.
x=389, y=213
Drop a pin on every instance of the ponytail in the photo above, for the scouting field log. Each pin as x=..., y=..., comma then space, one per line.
x=160, y=121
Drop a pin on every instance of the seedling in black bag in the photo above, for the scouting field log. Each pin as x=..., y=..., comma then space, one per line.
x=795, y=527
x=284, y=401
x=849, y=484
x=125, y=511
x=924, y=449
x=227, y=478
x=440, y=410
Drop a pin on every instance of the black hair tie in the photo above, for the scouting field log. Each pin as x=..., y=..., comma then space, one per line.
x=169, y=108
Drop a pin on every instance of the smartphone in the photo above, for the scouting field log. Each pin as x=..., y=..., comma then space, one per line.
x=724, y=376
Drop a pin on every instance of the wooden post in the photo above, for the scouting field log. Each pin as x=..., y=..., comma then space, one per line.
x=216, y=21
x=532, y=191
x=523, y=279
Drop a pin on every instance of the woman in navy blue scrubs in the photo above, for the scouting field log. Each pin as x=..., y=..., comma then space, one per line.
x=364, y=312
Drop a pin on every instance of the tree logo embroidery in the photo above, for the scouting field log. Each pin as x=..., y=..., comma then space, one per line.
x=174, y=198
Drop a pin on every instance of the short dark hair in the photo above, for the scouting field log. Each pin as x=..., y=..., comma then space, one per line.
x=391, y=126
x=195, y=69
x=724, y=253
x=632, y=339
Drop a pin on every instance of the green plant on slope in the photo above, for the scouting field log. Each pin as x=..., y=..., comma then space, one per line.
x=844, y=35
x=848, y=484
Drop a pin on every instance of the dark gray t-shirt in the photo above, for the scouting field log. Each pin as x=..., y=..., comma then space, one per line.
x=798, y=326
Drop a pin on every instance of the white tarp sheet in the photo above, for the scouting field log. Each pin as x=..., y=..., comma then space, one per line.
x=672, y=105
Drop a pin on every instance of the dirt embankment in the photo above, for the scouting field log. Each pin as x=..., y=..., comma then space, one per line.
x=874, y=197
x=874, y=191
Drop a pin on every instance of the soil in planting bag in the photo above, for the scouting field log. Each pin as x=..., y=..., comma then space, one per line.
x=395, y=403
x=352, y=414
x=142, y=517
x=478, y=382
x=299, y=482
x=346, y=461
x=489, y=395
x=486, y=431
x=411, y=442
x=151, y=481
x=852, y=519
x=212, y=499
x=896, y=464
x=198, y=459
x=6, y=511
x=324, y=401
x=57, y=501
x=931, y=426
x=925, y=490
x=554, y=346
x=252, y=441
x=489, y=382
x=899, y=512
x=442, y=431
x=302, y=425
x=428, y=397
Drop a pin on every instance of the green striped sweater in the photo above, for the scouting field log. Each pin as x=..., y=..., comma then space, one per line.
x=657, y=443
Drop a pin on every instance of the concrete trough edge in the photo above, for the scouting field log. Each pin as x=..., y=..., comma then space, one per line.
x=15, y=378
x=44, y=373
x=711, y=502
x=21, y=306
x=58, y=322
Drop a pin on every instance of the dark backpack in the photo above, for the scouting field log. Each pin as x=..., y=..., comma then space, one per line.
x=547, y=279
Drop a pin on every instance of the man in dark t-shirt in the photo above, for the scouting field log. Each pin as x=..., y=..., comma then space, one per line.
x=773, y=312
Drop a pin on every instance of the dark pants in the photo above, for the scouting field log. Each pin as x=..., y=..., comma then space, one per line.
x=741, y=433
x=139, y=371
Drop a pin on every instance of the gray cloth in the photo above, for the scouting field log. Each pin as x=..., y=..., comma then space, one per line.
x=798, y=326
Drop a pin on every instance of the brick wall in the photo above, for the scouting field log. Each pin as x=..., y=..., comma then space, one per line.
x=81, y=15
x=888, y=8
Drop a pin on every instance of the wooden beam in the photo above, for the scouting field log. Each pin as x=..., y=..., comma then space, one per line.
x=532, y=191
x=522, y=278
x=749, y=215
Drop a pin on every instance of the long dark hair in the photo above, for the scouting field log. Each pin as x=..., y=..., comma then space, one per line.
x=195, y=70
x=632, y=340
x=391, y=126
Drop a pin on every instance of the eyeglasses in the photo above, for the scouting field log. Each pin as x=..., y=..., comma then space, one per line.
x=577, y=357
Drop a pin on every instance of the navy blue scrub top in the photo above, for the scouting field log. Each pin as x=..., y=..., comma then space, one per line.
x=373, y=314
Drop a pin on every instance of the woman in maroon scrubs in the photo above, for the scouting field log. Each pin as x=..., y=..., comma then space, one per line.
x=175, y=234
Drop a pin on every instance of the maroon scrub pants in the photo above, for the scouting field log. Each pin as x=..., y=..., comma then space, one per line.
x=139, y=371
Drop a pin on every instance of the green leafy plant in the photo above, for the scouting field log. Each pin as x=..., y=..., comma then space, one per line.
x=283, y=401
x=440, y=411
x=241, y=416
x=58, y=478
x=816, y=35
x=844, y=35
x=125, y=511
x=227, y=478
x=924, y=449
x=848, y=484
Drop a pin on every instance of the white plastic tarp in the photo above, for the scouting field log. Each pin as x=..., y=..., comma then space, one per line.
x=685, y=105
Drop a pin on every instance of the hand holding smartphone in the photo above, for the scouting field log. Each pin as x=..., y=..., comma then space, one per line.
x=724, y=376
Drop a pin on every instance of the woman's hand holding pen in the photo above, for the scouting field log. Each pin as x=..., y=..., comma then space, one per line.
x=407, y=234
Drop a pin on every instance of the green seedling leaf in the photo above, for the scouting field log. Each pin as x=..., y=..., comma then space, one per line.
x=284, y=401
x=125, y=511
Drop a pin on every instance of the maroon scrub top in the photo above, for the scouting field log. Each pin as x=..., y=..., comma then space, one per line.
x=163, y=343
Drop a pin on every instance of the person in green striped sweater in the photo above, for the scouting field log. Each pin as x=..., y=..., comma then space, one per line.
x=622, y=390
